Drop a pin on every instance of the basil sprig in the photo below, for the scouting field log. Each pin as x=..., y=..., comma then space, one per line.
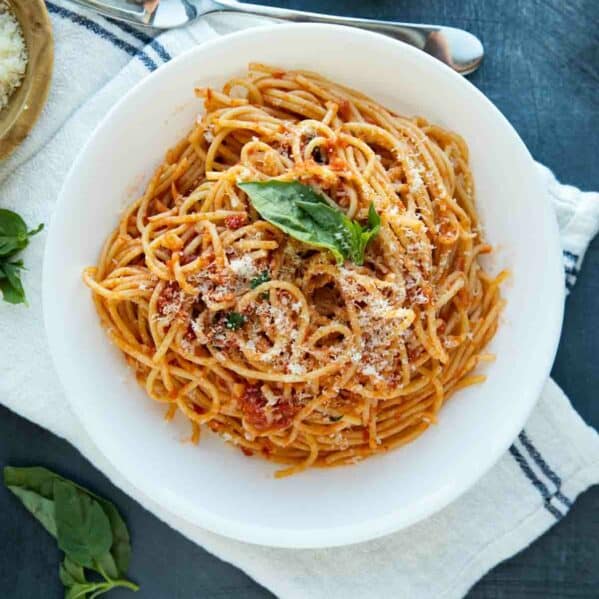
x=304, y=214
x=88, y=529
x=14, y=237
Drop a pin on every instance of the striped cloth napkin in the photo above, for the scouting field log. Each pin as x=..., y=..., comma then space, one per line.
x=552, y=461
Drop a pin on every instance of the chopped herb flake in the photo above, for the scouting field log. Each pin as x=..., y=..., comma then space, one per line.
x=234, y=320
x=263, y=277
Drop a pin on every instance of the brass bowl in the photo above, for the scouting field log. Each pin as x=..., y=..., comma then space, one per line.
x=26, y=103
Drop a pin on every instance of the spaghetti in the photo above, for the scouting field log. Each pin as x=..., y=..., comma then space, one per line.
x=269, y=341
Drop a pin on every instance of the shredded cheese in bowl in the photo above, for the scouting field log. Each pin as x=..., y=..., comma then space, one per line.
x=13, y=54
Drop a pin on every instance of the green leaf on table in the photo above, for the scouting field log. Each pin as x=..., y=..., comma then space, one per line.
x=34, y=478
x=40, y=480
x=81, y=590
x=14, y=235
x=83, y=529
x=106, y=564
x=40, y=507
x=76, y=591
x=71, y=572
x=308, y=216
x=10, y=282
x=88, y=529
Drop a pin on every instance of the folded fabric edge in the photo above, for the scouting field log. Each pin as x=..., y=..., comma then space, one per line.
x=556, y=408
x=584, y=224
x=557, y=413
x=520, y=537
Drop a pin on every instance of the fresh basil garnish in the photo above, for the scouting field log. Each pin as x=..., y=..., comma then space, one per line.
x=304, y=214
x=14, y=237
x=88, y=529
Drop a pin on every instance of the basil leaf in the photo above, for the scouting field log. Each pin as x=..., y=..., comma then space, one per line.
x=88, y=528
x=41, y=481
x=277, y=202
x=11, y=245
x=70, y=572
x=14, y=235
x=83, y=530
x=10, y=282
x=116, y=563
x=364, y=236
x=80, y=590
x=304, y=214
x=120, y=551
x=106, y=564
x=11, y=224
x=41, y=508
x=13, y=232
x=35, y=231
x=35, y=479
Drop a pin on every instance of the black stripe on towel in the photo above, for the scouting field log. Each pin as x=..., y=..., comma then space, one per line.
x=98, y=30
x=143, y=37
x=571, y=270
x=544, y=467
x=571, y=256
x=538, y=484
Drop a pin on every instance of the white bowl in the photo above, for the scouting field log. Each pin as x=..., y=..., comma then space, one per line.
x=214, y=485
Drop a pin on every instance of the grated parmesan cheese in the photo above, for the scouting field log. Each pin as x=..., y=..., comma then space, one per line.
x=416, y=182
x=369, y=370
x=243, y=267
x=171, y=308
x=296, y=369
x=13, y=54
x=355, y=356
x=208, y=134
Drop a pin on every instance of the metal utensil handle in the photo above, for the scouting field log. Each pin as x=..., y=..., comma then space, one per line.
x=119, y=10
x=457, y=48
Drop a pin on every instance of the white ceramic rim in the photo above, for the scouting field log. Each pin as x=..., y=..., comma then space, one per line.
x=354, y=532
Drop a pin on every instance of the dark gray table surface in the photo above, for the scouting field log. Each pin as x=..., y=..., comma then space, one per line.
x=542, y=70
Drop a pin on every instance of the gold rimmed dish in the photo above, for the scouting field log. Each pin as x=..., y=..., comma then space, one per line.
x=18, y=117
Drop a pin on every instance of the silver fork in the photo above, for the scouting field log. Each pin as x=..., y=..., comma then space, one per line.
x=457, y=48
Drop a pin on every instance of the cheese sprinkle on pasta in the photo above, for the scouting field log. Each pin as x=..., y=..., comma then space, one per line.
x=301, y=275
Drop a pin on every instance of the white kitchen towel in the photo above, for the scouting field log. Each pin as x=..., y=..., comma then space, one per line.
x=554, y=459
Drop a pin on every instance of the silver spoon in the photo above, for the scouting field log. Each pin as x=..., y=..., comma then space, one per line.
x=457, y=48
